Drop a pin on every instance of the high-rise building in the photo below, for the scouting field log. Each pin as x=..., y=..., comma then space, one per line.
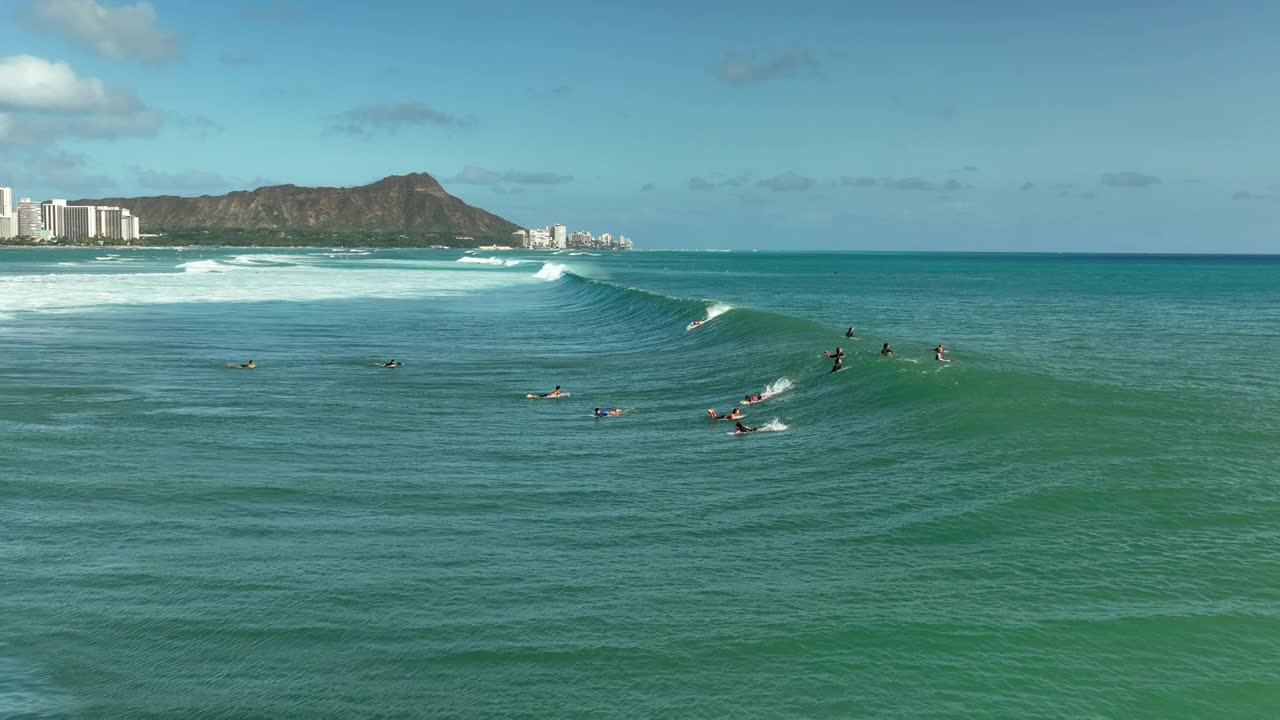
x=604, y=240
x=624, y=242
x=52, y=214
x=559, y=235
x=81, y=221
x=539, y=238
x=6, y=201
x=520, y=239
x=130, y=228
x=109, y=222
x=580, y=239
x=28, y=214
x=8, y=226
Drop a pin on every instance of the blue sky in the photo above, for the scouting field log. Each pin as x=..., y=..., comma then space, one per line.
x=987, y=125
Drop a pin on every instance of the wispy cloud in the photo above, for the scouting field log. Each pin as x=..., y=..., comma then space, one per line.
x=236, y=59
x=391, y=117
x=117, y=32
x=202, y=126
x=40, y=166
x=742, y=69
x=473, y=175
x=184, y=181
x=1076, y=195
x=700, y=183
x=1028, y=185
x=279, y=12
x=1246, y=195
x=648, y=187
x=550, y=93
x=859, y=182
x=788, y=182
x=1129, y=179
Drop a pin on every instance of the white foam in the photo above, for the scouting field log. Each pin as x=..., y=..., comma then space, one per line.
x=584, y=253
x=774, y=425
x=480, y=260
x=204, y=266
x=717, y=310
x=777, y=387
x=551, y=271
x=210, y=280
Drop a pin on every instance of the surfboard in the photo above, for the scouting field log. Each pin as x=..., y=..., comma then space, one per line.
x=534, y=396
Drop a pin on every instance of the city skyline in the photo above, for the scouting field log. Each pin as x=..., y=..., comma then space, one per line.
x=1093, y=127
x=54, y=219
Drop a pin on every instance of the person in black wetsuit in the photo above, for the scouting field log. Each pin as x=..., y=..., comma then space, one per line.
x=887, y=351
x=849, y=333
x=839, y=358
x=740, y=429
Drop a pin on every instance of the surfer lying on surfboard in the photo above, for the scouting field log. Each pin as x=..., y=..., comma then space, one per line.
x=247, y=366
x=740, y=429
x=748, y=399
x=733, y=414
x=606, y=413
x=554, y=393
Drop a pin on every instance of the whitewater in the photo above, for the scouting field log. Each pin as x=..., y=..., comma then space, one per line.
x=1073, y=518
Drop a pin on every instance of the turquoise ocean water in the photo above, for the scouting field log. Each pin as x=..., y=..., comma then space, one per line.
x=1078, y=517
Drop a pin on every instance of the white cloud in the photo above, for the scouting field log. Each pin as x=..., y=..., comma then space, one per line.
x=31, y=83
x=43, y=100
x=117, y=32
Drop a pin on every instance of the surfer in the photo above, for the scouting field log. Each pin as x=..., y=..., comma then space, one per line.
x=740, y=429
x=839, y=358
x=887, y=351
x=392, y=363
x=554, y=393
x=606, y=413
x=937, y=353
x=733, y=414
x=247, y=366
x=753, y=398
x=849, y=333
x=696, y=323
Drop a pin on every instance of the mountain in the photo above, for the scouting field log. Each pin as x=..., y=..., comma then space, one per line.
x=410, y=202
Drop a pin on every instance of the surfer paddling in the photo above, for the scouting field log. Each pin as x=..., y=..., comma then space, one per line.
x=733, y=414
x=740, y=429
x=392, y=363
x=938, y=351
x=753, y=398
x=247, y=366
x=554, y=393
x=606, y=413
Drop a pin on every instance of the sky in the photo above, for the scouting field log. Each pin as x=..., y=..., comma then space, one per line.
x=921, y=125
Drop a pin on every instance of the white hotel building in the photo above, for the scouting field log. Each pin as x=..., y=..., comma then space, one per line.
x=56, y=219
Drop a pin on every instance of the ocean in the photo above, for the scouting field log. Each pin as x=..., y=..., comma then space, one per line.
x=1075, y=517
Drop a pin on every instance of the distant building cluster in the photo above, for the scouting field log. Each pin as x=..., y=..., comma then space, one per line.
x=54, y=219
x=558, y=237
